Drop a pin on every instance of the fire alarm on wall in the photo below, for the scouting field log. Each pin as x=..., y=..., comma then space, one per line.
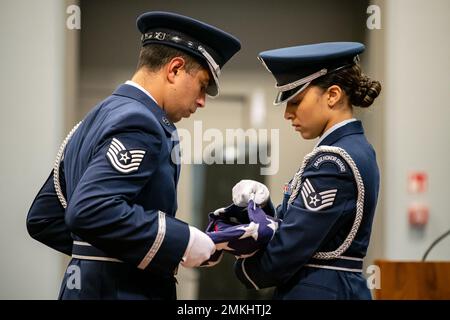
x=418, y=214
x=417, y=182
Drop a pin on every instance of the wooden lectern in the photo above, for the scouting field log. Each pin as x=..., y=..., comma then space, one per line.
x=413, y=280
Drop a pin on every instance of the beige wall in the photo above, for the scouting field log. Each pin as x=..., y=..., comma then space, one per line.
x=31, y=127
x=374, y=126
x=417, y=137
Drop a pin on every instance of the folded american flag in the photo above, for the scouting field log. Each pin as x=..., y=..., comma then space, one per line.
x=241, y=231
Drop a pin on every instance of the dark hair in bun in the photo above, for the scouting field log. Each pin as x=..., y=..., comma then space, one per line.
x=360, y=89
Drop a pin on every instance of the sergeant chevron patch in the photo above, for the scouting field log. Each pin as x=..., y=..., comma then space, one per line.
x=124, y=160
x=317, y=201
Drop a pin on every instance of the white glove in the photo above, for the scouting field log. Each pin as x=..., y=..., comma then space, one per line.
x=244, y=190
x=199, y=249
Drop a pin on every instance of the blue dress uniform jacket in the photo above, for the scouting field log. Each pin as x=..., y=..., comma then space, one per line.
x=317, y=251
x=120, y=184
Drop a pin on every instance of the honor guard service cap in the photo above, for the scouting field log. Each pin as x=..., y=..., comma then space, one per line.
x=214, y=47
x=295, y=67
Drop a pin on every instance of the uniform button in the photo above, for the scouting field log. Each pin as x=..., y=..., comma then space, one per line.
x=166, y=121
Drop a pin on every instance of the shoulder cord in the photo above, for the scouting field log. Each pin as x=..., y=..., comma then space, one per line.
x=296, y=183
x=59, y=158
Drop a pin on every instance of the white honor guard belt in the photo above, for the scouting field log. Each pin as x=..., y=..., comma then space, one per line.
x=85, y=251
x=342, y=263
